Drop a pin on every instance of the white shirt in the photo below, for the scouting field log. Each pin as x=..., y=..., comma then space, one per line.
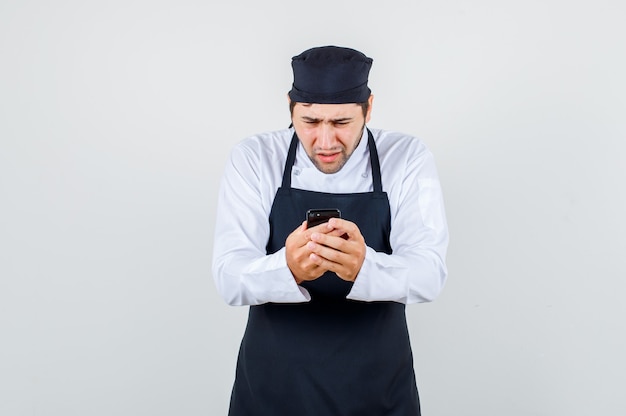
x=416, y=272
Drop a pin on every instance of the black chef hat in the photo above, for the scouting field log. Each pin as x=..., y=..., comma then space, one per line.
x=330, y=75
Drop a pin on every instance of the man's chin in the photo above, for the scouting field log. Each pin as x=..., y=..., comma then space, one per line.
x=332, y=164
x=329, y=168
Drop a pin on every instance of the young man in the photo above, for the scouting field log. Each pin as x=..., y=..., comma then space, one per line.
x=327, y=331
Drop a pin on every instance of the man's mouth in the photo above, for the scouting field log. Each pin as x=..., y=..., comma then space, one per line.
x=328, y=157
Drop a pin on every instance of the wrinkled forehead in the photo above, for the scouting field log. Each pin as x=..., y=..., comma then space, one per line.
x=327, y=111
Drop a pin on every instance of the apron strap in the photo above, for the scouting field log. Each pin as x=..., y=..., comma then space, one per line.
x=291, y=158
x=376, y=179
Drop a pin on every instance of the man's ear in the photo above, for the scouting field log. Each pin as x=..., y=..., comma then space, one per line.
x=291, y=112
x=369, y=108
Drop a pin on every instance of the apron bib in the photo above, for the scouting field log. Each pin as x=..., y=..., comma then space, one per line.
x=331, y=356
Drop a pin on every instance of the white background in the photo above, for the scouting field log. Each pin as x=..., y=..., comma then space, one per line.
x=116, y=119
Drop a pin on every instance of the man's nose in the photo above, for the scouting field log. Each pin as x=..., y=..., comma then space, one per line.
x=326, y=138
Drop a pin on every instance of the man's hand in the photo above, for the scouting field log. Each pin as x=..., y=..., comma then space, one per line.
x=298, y=255
x=337, y=246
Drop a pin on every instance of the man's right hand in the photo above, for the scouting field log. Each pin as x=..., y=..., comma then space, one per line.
x=298, y=255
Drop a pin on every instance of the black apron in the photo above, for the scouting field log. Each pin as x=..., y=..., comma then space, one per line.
x=330, y=356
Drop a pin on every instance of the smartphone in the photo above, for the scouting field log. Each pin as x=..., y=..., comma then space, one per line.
x=319, y=216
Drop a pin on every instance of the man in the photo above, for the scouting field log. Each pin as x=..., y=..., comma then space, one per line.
x=326, y=331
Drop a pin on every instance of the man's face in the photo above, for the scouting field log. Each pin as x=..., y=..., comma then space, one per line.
x=329, y=133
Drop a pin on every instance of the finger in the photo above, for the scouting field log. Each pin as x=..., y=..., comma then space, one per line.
x=326, y=252
x=332, y=240
x=338, y=233
x=300, y=236
x=345, y=258
x=303, y=268
x=326, y=264
x=320, y=228
x=323, y=263
x=341, y=226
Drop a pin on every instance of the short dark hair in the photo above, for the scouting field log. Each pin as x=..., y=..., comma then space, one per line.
x=364, y=106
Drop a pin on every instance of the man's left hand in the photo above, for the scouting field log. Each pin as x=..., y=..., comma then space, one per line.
x=341, y=250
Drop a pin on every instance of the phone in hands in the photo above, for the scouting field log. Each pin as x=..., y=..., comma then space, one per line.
x=319, y=216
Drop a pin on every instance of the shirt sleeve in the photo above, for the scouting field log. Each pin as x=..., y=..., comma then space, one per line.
x=244, y=274
x=416, y=270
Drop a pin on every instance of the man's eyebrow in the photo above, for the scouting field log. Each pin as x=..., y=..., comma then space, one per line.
x=334, y=120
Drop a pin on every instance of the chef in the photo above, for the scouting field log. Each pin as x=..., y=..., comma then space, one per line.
x=327, y=331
